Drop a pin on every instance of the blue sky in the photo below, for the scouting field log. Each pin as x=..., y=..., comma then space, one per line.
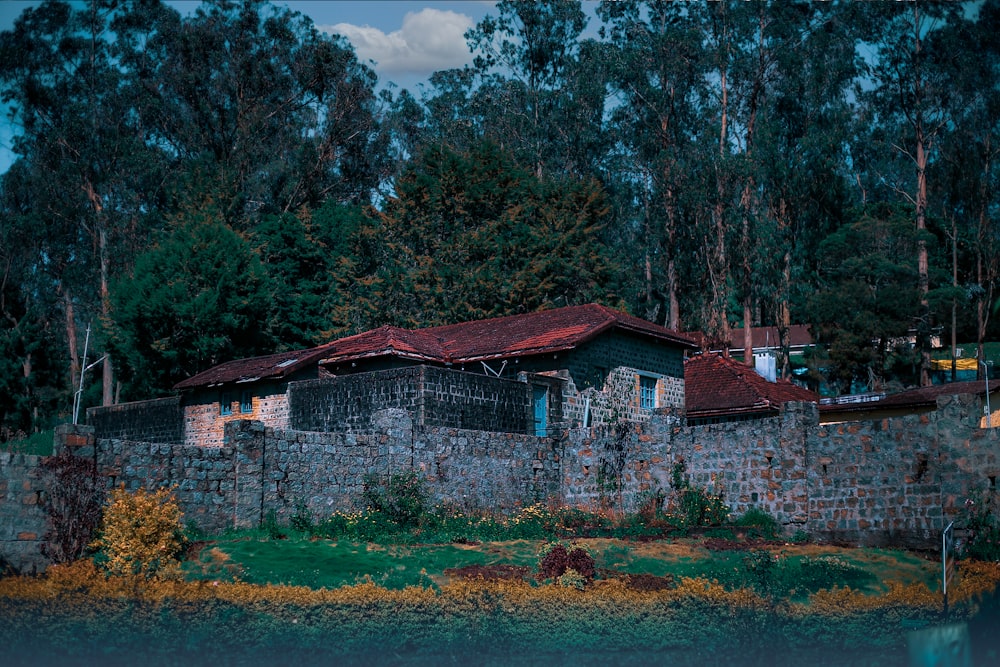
x=404, y=41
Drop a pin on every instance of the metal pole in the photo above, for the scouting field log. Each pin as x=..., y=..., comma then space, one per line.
x=989, y=413
x=83, y=367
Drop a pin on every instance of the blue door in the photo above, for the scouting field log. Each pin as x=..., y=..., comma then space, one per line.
x=540, y=397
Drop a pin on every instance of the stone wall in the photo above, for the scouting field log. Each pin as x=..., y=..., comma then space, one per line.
x=434, y=396
x=217, y=487
x=23, y=520
x=266, y=470
x=889, y=481
x=159, y=420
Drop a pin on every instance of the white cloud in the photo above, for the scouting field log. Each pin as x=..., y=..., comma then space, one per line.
x=430, y=40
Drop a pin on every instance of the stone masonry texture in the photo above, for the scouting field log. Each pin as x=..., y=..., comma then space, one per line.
x=892, y=481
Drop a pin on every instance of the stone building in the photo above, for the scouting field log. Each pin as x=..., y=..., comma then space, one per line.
x=533, y=373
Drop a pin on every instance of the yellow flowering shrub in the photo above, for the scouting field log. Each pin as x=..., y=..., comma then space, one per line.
x=141, y=534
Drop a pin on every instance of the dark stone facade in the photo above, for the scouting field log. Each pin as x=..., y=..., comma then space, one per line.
x=158, y=420
x=433, y=396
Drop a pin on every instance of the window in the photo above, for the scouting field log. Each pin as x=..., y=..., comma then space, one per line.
x=647, y=392
x=246, y=402
x=226, y=404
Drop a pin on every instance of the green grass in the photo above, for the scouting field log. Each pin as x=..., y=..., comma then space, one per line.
x=790, y=572
x=37, y=444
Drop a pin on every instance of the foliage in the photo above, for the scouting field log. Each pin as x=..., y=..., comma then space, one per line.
x=760, y=522
x=302, y=520
x=694, y=507
x=36, y=444
x=226, y=620
x=983, y=542
x=703, y=166
x=194, y=301
x=402, y=498
x=556, y=560
x=73, y=504
x=141, y=534
x=473, y=235
x=866, y=264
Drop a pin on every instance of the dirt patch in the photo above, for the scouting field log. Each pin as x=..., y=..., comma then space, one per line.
x=722, y=544
x=193, y=549
x=641, y=582
x=489, y=572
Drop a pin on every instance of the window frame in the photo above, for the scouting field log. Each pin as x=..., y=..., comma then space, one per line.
x=649, y=395
x=225, y=404
x=246, y=402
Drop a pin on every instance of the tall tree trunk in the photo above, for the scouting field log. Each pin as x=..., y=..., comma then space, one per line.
x=985, y=267
x=718, y=323
x=74, y=355
x=923, y=271
x=100, y=223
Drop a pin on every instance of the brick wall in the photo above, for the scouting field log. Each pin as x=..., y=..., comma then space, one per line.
x=203, y=421
x=434, y=396
x=159, y=420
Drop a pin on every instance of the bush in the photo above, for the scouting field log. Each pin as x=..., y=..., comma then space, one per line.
x=73, y=503
x=402, y=498
x=760, y=522
x=695, y=507
x=141, y=534
x=556, y=560
x=984, y=530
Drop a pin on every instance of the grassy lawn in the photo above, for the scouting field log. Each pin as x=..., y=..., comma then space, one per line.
x=783, y=569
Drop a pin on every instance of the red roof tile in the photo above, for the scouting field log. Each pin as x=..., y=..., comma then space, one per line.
x=386, y=341
x=271, y=366
x=502, y=337
x=497, y=338
x=915, y=398
x=715, y=386
x=763, y=337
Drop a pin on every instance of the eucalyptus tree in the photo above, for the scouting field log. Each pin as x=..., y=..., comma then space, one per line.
x=536, y=89
x=656, y=75
x=81, y=153
x=965, y=182
x=796, y=99
x=253, y=97
x=910, y=105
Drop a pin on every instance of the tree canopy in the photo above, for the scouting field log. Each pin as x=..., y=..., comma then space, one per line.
x=199, y=187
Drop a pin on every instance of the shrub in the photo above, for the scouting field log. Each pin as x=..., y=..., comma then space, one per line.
x=760, y=522
x=556, y=560
x=141, y=534
x=302, y=520
x=402, y=498
x=695, y=507
x=73, y=503
x=984, y=530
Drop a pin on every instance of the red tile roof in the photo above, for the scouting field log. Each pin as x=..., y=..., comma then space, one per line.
x=272, y=366
x=763, y=337
x=513, y=336
x=921, y=397
x=715, y=386
x=547, y=331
